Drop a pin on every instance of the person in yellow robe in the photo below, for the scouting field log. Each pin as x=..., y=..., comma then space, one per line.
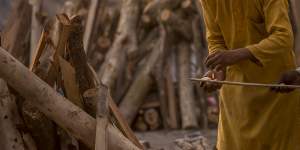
x=252, y=41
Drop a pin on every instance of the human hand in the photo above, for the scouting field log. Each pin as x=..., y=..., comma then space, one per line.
x=221, y=59
x=213, y=75
x=288, y=78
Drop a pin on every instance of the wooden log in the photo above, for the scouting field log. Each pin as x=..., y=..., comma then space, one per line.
x=201, y=53
x=140, y=124
x=101, y=95
x=186, y=94
x=159, y=79
x=93, y=9
x=152, y=118
x=153, y=9
x=78, y=60
x=17, y=30
x=10, y=137
x=179, y=25
x=173, y=119
x=36, y=27
x=64, y=113
x=86, y=78
x=125, y=42
x=142, y=83
x=41, y=128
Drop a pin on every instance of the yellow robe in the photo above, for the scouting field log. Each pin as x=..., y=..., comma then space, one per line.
x=254, y=118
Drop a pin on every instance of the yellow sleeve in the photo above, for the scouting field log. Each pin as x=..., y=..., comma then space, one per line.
x=280, y=36
x=214, y=35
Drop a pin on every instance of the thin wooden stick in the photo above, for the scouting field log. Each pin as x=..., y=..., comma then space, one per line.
x=247, y=84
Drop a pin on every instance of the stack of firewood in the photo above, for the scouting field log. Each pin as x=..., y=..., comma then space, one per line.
x=82, y=78
x=96, y=67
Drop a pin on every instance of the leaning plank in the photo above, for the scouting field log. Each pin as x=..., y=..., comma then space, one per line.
x=67, y=115
x=40, y=48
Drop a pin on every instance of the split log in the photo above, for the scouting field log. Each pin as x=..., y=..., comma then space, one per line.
x=84, y=75
x=64, y=113
x=40, y=48
x=142, y=83
x=78, y=60
x=125, y=42
x=101, y=95
x=10, y=136
x=69, y=80
x=187, y=99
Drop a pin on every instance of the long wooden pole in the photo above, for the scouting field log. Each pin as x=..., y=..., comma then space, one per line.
x=247, y=84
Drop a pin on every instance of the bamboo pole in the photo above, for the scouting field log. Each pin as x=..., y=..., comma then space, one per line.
x=247, y=84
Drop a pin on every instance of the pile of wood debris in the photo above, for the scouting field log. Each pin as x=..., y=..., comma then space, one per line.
x=83, y=78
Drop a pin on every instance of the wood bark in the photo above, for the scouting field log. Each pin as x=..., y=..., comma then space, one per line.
x=296, y=7
x=187, y=99
x=16, y=33
x=180, y=26
x=36, y=27
x=17, y=41
x=101, y=95
x=64, y=113
x=142, y=84
x=125, y=42
x=78, y=58
x=173, y=119
x=10, y=136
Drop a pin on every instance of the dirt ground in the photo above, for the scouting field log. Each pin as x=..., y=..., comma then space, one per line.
x=164, y=140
